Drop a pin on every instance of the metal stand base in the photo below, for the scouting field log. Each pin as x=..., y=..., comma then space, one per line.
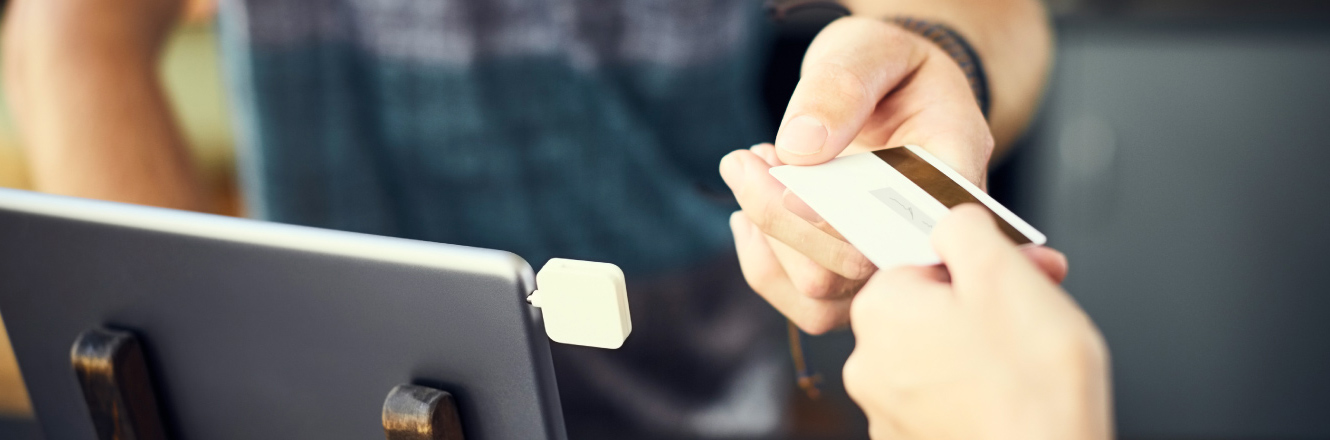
x=413, y=412
x=114, y=376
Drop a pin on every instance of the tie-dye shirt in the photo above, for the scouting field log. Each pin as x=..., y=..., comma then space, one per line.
x=561, y=128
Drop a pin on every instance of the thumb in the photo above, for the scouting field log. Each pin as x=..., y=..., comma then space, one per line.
x=851, y=65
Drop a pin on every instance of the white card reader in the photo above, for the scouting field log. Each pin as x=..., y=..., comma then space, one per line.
x=583, y=303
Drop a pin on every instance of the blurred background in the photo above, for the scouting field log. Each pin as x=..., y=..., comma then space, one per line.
x=1179, y=161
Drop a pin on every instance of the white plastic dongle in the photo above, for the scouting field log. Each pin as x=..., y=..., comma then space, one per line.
x=583, y=303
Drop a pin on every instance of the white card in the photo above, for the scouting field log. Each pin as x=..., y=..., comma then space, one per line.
x=886, y=202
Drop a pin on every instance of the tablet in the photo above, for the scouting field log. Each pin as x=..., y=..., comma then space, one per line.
x=261, y=330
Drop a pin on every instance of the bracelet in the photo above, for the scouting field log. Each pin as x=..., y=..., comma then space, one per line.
x=959, y=50
x=944, y=36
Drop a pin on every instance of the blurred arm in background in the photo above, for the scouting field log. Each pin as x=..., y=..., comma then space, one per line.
x=82, y=81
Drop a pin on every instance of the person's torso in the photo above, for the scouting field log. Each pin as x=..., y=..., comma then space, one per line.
x=563, y=128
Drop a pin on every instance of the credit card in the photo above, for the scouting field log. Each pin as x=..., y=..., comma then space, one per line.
x=886, y=202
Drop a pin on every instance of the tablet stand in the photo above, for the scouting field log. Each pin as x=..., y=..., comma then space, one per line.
x=113, y=373
x=116, y=385
x=413, y=412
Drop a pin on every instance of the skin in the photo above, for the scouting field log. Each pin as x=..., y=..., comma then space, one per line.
x=81, y=78
x=867, y=84
x=988, y=347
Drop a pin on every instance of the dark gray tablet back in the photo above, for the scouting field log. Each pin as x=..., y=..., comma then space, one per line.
x=258, y=330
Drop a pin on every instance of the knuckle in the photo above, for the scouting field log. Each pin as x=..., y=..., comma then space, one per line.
x=816, y=283
x=879, y=30
x=855, y=265
x=984, y=146
x=768, y=217
x=987, y=144
x=835, y=76
x=818, y=322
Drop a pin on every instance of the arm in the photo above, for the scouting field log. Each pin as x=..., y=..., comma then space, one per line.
x=82, y=80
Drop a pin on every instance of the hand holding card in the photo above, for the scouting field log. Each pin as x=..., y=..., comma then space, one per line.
x=886, y=202
x=806, y=273
x=809, y=271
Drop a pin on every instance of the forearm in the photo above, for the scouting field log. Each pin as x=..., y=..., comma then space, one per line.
x=82, y=82
x=1014, y=41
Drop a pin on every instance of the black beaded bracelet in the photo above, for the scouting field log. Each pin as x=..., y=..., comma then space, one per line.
x=944, y=36
x=959, y=50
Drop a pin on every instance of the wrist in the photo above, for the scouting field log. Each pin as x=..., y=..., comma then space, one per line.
x=950, y=41
x=959, y=50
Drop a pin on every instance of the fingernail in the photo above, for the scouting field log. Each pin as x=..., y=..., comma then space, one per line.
x=732, y=171
x=1062, y=260
x=802, y=135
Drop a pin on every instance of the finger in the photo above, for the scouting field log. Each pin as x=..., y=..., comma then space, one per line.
x=850, y=66
x=792, y=202
x=766, y=276
x=762, y=198
x=908, y=279
x=1049, y=261
x=976, y=253
x=768, y=153
x=798, y=207
x=906, y=292
x=809, y=278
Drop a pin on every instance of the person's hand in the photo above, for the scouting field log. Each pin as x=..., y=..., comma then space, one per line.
x=866, y=84
x=987, y=348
